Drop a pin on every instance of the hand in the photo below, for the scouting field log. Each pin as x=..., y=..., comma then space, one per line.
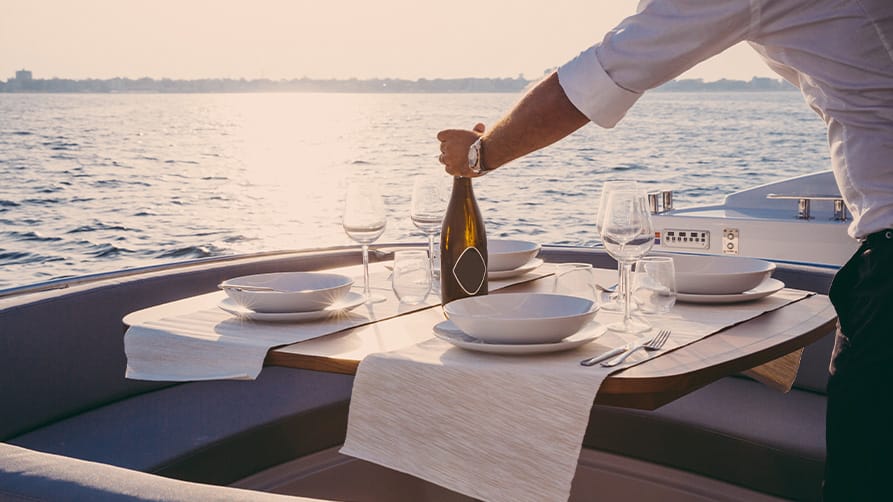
x=454, y=145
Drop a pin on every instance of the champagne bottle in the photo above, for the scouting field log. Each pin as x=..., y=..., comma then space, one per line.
x=463, y=246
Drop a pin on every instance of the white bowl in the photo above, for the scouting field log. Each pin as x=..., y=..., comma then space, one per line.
x=294, y=291
x=719, y=275
x=505, y=254
x=521, y=318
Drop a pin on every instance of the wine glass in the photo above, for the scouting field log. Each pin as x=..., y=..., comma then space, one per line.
x=429, y=200
x=628, y=235
x=364, y=221
x=411, y=279
x=616, y=295
x=654, y=284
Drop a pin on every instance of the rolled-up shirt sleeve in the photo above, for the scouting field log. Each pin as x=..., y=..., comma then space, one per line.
x=593, y=92
x=660, y=42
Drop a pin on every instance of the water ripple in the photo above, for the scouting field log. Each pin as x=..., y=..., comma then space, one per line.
x=100, y=226
x=187, y=252
x=30, y=236
x=109, y=251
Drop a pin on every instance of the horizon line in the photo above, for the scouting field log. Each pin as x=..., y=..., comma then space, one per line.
x=520, y=76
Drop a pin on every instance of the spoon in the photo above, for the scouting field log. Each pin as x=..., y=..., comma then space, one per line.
x=609, y=289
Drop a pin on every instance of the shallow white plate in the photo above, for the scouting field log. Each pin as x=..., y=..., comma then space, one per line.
x=507, y=274
x=349, y=301
x=291, y=291
x=521, y=318
x=764, y=289
x=719, y=275
x=448, y=332
x=508, y=254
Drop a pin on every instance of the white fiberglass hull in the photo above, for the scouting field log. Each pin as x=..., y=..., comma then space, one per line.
x=763, y=222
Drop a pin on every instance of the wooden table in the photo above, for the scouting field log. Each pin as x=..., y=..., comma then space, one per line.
x=645, y=386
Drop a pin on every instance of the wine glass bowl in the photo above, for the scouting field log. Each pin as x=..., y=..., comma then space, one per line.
x=364, y=220
x=428, y=205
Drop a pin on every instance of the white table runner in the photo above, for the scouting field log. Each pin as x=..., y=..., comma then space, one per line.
x=495, y=427
x=193, y=339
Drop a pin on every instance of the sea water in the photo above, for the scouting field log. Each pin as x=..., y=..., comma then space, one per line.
x=98, y=182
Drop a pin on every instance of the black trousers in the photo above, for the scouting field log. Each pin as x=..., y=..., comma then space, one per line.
x=859, y=429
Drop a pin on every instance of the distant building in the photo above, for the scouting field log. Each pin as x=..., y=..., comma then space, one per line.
x=23, y=81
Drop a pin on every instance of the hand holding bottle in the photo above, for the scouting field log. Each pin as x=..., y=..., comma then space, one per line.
x=454, y=146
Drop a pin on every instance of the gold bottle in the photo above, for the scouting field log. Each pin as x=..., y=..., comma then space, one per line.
x=463, y=246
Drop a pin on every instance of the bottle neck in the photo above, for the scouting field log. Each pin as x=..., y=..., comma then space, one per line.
x=461, y=183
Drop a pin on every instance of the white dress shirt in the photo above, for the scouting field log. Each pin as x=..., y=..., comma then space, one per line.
x=839, y=53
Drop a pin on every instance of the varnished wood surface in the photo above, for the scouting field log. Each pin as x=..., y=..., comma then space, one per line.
x=645, y=386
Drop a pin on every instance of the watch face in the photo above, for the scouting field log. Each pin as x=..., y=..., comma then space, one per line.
x=473, y=154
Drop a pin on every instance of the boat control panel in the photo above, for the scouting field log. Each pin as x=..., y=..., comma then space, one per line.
x=679, y=238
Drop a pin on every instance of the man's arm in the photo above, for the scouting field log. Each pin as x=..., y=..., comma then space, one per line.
x=543, y=116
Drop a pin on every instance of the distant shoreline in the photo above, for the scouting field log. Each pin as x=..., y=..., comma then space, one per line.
x=457, y=85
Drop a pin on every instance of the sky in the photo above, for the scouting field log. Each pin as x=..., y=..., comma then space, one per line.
x=285, y=39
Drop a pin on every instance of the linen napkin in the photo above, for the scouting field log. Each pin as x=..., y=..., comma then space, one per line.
x=193, y=339
x=778, y=374
x=500, y=427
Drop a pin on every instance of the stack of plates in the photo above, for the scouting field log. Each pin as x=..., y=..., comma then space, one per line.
x=288, y=296
x=519, y=323
x=509, y=258
x=723, y=279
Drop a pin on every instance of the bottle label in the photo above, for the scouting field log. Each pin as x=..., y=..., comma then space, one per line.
x=470, y=270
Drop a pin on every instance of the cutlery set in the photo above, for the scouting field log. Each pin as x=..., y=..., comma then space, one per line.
x=625, y=351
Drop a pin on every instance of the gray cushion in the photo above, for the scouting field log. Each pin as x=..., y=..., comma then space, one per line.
x=30, y=475
x=735, y=429
x=216, y=431
x=41, y=335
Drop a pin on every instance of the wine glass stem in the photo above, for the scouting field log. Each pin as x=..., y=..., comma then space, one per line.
x=626, y=268
x=367, y=291
x=431, y=254
x=617, y=297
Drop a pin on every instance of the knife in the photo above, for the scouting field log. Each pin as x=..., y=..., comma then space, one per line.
x=607, y=355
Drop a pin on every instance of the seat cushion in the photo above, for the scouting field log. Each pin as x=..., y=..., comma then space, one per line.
x=813, y=374
x=213, y=432
x=735, y=430
x=30, y=475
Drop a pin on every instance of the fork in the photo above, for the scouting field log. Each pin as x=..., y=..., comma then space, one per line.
x=654, y=344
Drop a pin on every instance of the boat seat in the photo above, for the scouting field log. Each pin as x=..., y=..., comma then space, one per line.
x=28, y=475
x=736, y=430
x=219, y=432
x=211, y=432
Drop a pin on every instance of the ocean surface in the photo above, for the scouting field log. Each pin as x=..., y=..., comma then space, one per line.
x=98, y=182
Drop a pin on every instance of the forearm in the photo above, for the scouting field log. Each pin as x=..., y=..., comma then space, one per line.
x=543, y=116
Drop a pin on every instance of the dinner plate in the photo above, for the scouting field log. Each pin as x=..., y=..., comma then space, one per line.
x=351, y=300
x=448, y=332
x=506, y=274
x=719, y=274
x=765, y=288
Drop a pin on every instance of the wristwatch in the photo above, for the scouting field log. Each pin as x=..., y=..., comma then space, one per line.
x=475, y=158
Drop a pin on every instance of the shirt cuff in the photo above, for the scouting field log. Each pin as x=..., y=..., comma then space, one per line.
x=593, y=92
